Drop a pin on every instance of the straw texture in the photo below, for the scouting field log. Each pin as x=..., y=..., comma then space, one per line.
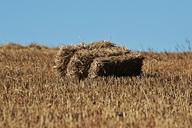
x=97, y=59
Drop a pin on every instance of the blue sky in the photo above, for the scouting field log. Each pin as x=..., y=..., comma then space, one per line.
x=136, y=24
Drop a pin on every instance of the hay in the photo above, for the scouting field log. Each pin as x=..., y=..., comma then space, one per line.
x=101, y=44
x=79, y=65
x=63, y=57
x=124, y=65
x=97, y=59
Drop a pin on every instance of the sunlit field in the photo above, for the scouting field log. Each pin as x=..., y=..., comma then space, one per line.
x=33, y=95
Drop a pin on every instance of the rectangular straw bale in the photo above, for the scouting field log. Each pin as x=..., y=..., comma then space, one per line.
x=79, y=65
x=104, y=52
x=63, y=57
x=104, y=59
x=124, y=65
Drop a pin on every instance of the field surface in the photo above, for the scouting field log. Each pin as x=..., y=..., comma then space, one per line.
x=33, y=95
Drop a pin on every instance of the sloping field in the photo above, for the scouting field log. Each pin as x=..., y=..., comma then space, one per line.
x=33, y=95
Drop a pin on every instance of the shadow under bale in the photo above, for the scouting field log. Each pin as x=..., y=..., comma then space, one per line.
x=97, y=59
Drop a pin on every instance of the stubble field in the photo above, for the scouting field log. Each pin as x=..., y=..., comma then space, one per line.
x=32, y=95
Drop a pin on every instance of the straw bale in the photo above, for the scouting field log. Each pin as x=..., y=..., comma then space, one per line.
x=97, y=59
x=104, y=52
x=79, y=65
x=101, y=44
x=123, y=65
x=63, y=57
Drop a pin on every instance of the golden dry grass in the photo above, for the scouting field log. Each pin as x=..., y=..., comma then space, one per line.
x=32, y=95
